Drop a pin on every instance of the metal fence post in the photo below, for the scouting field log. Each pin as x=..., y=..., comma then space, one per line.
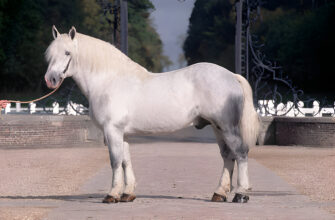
x=124, y=26
x=238, y=37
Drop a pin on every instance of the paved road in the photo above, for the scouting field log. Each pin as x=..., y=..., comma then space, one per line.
x=176, y=181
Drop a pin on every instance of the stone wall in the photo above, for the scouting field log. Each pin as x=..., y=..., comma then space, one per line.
x=42, y=130
x=58, y=131
x=305, y=131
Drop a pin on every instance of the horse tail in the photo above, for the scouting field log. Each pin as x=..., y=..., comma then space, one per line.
x=250, y=121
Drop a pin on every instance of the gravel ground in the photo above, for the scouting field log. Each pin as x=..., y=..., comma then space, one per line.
x=32, y=175
x=34, y=180
x=311, y=170
x=23, y=213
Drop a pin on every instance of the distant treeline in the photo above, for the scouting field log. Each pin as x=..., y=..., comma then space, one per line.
x=25, y=33
x=298, y=34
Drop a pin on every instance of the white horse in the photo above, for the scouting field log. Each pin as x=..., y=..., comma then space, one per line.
x=125, y=99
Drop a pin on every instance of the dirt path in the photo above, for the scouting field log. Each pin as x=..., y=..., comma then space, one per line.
x=311, y=170
x=176, y=181
x=34, y=181
x=31, y=175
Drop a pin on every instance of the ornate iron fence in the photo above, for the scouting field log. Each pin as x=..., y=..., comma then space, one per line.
x=272, y=88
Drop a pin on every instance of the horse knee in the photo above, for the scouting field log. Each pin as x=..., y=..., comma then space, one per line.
x=242, y=152
x=236, y=149
x=116, y=158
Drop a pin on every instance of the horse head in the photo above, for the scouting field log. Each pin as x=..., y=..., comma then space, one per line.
x=60, y=56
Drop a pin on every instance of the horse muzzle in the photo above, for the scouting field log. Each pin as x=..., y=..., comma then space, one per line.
x=52, y=82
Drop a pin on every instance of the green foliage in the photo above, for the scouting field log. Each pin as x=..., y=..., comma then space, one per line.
x=299, y=35
x=297, y=5
x=17, y=32
x=211, y=33
x=303, y=43
x=145, y=46
x=25, y=33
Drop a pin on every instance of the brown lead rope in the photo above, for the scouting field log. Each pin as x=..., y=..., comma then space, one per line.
x=3, y=103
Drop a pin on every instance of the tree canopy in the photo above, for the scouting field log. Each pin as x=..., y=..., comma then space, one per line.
x=302, y=40
x=25, y=33
x=298, y=35
x=211, y=33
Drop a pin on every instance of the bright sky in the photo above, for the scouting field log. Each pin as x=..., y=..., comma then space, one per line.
x=171, y=19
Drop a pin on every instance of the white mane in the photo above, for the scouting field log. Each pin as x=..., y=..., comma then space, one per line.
x=95, y=55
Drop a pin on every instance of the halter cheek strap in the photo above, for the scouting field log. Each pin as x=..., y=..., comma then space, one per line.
x=67, y=65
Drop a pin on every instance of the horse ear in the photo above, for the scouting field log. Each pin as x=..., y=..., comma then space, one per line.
x=55, y=32
x=72, y=32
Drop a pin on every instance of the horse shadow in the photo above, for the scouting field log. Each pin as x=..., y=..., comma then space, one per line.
x=93, y=197
x=75, y=197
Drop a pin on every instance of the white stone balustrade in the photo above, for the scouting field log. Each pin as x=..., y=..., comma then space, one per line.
x=268, y=108
x=55, y=108
x=18, y=107
x=71, y=108
x=80, y=109
x=32, y=108
x=264, y=108
x=7, y=109
x=328, y=111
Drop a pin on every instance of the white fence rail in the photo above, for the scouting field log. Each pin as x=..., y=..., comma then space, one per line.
x=70, y=109
x=269, y=108
x=264, y=108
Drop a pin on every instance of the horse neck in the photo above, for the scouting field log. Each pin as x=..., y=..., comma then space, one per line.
x=107, y=67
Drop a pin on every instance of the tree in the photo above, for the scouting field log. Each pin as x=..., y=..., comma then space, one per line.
x=145, y=46
x=211, y=33
x=25, y=27
x=21, y=23
x=302, y=41
x=297, y=35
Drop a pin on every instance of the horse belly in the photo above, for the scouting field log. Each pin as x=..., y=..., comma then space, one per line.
x=159, y=123
x=163, y=113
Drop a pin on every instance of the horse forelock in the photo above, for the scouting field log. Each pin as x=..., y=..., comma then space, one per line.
x=57, y=47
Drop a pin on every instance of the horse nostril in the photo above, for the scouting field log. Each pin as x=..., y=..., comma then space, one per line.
x=53, y=81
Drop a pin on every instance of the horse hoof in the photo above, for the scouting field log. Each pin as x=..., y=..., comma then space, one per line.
x=219, y=198
x=127, y=197
x=110, y=199
x=239, y=198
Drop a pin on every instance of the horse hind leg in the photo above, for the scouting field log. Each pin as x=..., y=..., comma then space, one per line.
x=242, y=182
x=225, y=183
x=234, y=149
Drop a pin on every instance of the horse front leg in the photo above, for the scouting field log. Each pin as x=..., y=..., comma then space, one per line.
x=129, y=177
x=114, y=139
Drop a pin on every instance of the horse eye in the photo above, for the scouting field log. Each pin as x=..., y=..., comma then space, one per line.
x=67, y=53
